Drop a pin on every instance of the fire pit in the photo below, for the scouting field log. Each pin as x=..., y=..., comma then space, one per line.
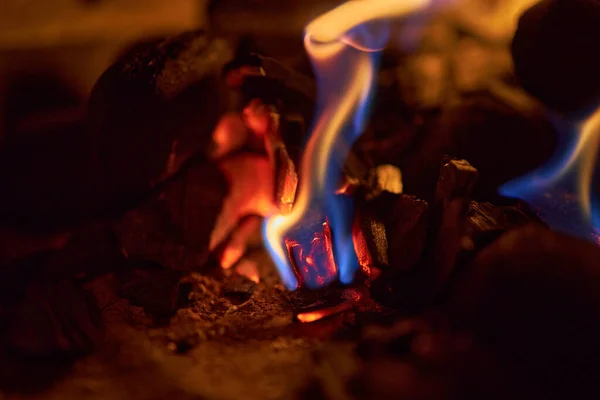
x=396, y=212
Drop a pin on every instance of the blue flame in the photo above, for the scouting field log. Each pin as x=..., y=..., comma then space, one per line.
x=552, y=189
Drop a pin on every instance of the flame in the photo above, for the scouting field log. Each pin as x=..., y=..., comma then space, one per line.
x=342, y=48
x=555, y=180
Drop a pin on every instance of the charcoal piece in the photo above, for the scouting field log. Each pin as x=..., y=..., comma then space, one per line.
x=370, y=240
x=54, y=319
x=286, y=177
x=155, y=108
x=485, y=222
x=406, y=225
x=153, y=287
x=448, y=241
x=238, y=289
x=533, y=297
x=500, y=131
x=457, y=180
x=174, y=226
x=554, y=53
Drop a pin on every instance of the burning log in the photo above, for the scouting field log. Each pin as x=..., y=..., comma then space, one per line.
x=553, y=53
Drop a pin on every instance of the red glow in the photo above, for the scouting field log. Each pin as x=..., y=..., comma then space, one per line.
x=365, y=259
x=316, y=265
x=351, y=298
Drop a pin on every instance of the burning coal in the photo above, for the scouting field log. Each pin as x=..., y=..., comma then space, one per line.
x=343, y=45
x=571, y=171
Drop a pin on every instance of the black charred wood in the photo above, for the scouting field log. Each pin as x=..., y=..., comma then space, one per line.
x=406, y=224
x=554, y=51
x=532, y=297
x=153, y=287
x=173, y=226
x=155, y=108
x=485, y=222
x=457, y=180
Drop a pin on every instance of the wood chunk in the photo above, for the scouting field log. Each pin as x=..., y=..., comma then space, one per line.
x=153, y=287
x=457, y=180
x=485, y=222
x=155, y=108
x=55, y=318
x=174, y=226
x=370, y=240
x=452, y=195
x=406, y=224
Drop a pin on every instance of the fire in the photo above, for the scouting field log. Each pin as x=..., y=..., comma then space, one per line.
x=315, y=267
x=343, y=49
x=557, y=177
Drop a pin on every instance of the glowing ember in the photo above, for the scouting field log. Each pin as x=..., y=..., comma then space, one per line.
x=343, y=51
x=322, y=310
x=314, y=266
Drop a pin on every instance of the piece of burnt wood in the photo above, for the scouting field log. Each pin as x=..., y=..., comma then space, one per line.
x=532, y=297
x=390, y=232
x=457, y=180
x=406, y=223
x=370, y=240
x=173, y=227
x=153, y=287
x=452, y=195
x=553, y=52
x=485, y=222
x=156, y=107
x=55, y=319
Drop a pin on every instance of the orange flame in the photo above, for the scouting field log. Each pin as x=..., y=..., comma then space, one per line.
x=585, y=156
x=327, y=39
